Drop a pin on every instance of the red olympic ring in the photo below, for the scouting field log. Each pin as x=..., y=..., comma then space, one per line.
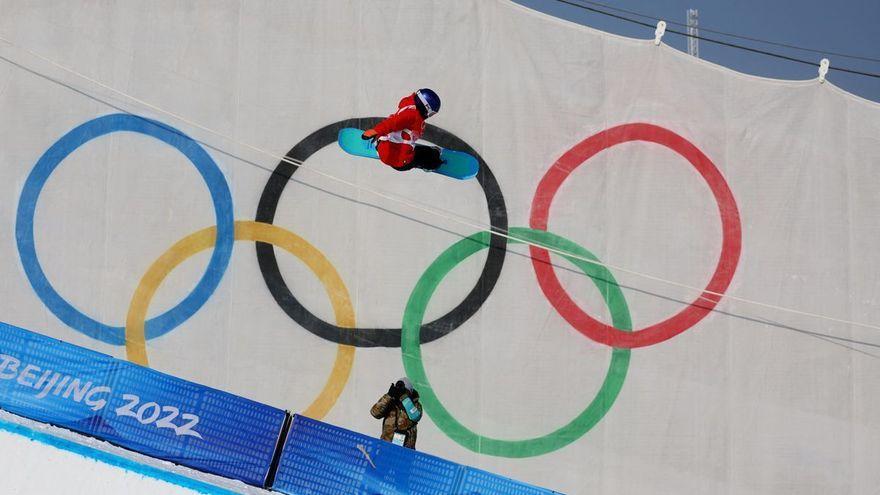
x=730, y=248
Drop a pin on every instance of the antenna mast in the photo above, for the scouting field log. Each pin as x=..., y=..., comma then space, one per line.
x=693, y=31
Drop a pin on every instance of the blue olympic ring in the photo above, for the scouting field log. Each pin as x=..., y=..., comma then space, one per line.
x=220, y=195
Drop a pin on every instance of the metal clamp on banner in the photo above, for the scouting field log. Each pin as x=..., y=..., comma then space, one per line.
x=824, y=64
x=659, y=32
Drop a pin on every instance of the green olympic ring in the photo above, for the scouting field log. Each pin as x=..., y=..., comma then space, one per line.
x=415, y=369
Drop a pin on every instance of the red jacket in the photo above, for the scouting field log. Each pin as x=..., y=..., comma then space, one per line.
x=399, y=132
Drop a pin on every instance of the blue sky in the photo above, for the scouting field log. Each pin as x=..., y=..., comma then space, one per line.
x=849, y=27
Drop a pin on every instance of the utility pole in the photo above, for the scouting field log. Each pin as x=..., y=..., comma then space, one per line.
x=693, y=31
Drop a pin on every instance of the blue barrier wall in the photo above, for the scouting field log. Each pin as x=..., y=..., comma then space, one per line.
x=321, y=459
x=137, y=408
x=161, y=416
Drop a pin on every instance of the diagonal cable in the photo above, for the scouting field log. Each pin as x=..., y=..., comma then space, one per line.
x=720, y=42
x=723, y=33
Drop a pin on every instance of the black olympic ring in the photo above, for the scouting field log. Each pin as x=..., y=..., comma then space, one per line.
x=379, y=337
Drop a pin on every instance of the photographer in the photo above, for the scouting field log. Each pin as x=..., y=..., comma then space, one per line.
x=400, y=412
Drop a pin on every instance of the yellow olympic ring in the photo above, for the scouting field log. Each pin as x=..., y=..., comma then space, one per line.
x=135, y=342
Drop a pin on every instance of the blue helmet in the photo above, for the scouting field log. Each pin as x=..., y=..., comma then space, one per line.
x=429, y=100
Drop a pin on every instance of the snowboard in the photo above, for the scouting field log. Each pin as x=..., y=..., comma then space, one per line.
x=459, y=165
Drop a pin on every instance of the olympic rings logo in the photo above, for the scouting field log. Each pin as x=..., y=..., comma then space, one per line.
x=414, y=331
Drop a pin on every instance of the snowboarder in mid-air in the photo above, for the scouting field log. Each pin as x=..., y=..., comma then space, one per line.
x=400, y=412
x=396, y=136
x=394, y=141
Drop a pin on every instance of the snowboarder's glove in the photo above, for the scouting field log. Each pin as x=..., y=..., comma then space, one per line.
x=371, y=135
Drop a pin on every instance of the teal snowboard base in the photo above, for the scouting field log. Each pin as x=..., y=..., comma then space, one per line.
x=459, y=165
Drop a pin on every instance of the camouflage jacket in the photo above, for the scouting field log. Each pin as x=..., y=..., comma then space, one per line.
x=394, y=419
